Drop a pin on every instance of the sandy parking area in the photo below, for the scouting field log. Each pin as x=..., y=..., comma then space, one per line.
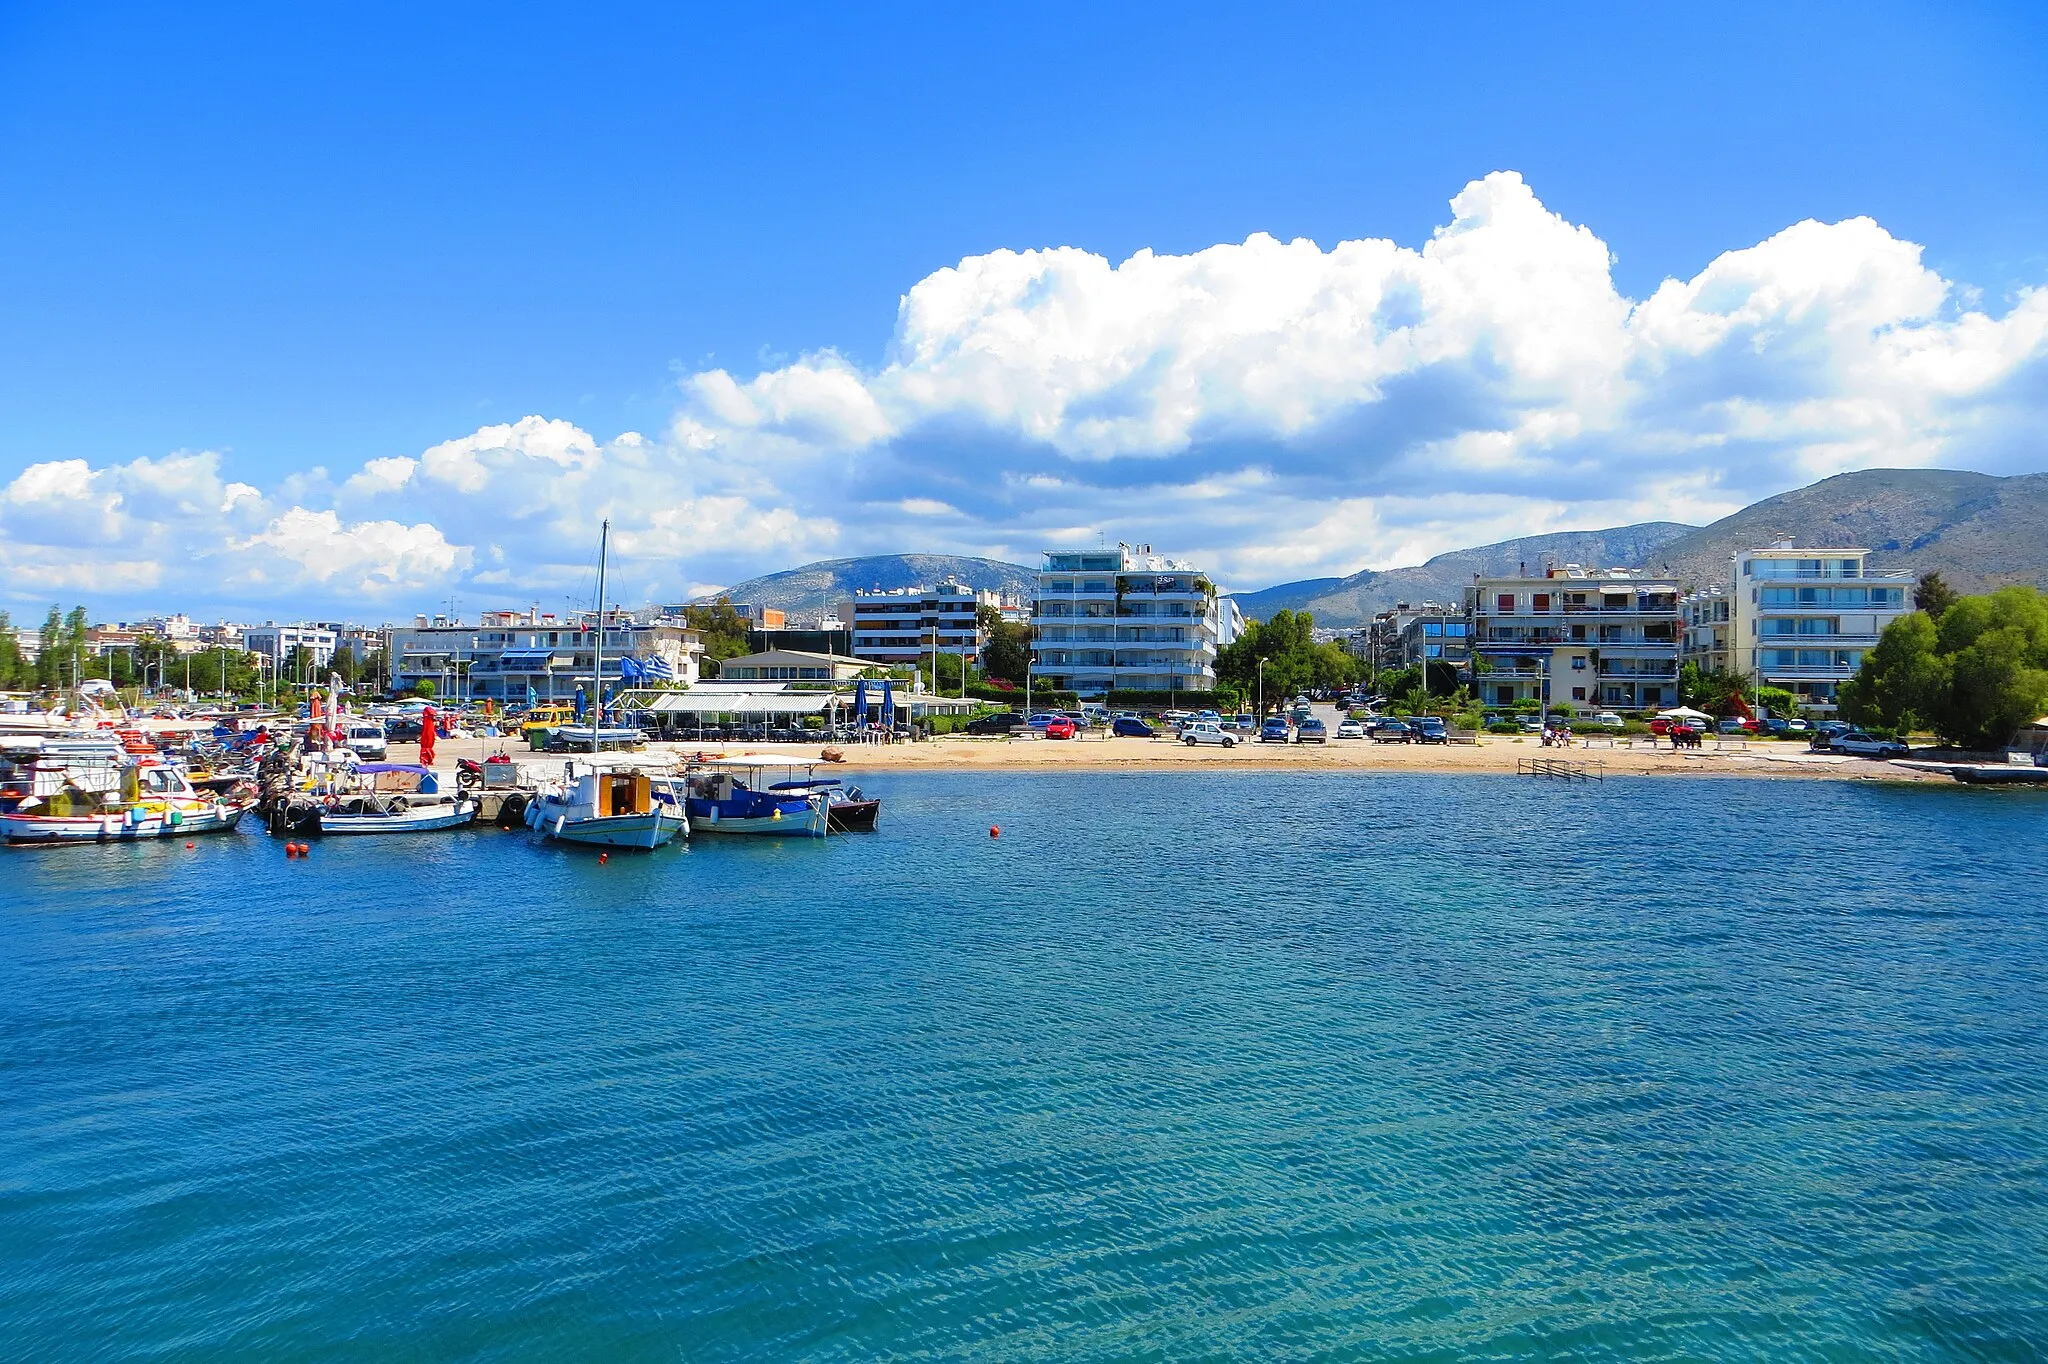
x=1493, y=753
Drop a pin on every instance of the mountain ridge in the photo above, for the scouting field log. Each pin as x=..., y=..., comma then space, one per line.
x=1979, y=531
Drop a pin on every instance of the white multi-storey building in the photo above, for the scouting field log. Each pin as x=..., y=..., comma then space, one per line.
x=1587, y=639
x=1801, y=619
x=276, y=642
x=508, y=656
x=1126, y=619
x=907, y=624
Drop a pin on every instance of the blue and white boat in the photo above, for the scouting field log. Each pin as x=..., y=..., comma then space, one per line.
x=606, y=807
x=730, y=796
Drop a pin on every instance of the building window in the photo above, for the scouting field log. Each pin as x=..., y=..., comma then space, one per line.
x=1579, y=662
x=1578, y=693
x=1540, y=602
x=1505, y=601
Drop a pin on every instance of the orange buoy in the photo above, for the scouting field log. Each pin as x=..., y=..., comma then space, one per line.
x=603, y=858
x=995, y=831
x=190, y=846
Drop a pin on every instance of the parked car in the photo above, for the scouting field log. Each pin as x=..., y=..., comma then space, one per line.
x=1001, y=723
x=1131, y=727
x=366, y=739
x=1244, y=722
x=1207, y=732
x=1529, y=724
x=1060, y=727
x=1858, y=744
x=1796, y=725
x=1732, y=724
x=1275, y=731
x=1777, y=725
x=1176, y=718
x=1350, y=729
x=1608, y=719
x=1430, y=729
x=1311, y=731
x=1044, y=718
x=1391, y=732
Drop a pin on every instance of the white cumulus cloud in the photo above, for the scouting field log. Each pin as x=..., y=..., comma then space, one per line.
x=1274, y=409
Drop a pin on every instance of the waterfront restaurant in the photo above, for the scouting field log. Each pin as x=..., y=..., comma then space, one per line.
x=768, y=712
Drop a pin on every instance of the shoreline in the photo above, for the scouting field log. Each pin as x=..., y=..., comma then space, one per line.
x=1493, y=755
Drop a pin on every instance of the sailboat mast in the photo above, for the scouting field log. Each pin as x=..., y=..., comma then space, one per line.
x=604, y=537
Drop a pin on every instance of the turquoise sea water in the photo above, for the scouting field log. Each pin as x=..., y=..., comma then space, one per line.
x=1204, y=1066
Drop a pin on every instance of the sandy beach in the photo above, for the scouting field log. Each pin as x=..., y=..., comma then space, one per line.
x=1498, y=754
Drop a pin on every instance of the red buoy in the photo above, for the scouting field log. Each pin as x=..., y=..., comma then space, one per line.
x=603, y=858
x=190, y=846
x=995, y=831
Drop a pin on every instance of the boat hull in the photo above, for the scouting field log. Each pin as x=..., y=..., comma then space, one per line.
x=650, y=830
x=33, y=829
x=815, y=824
x=855, y=816
x=428, y=819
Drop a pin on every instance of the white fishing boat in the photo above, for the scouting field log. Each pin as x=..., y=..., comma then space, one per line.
x=594, y=803
x=602, y=806
x=93, y=791
x=396, y=798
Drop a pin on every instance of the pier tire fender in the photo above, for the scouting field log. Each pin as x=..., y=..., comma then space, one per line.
x=512, y=811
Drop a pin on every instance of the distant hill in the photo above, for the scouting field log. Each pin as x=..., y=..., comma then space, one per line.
x=808, y=592
x=1978, y=531
x=1346, y=602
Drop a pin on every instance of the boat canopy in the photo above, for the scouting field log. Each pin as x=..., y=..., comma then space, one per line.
x=375, y=769
x=808, y=785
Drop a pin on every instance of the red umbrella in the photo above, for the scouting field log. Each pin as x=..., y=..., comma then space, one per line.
x=429, y=724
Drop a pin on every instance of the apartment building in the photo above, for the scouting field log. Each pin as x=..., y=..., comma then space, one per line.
x=907, y=624
x=1408, y=636
x=1707, y=618
x=276, y=642
x=1802, y=618
x=1128, y=619
x=508, y=656
x=1585, y=639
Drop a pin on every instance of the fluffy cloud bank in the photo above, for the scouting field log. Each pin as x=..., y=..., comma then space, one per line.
x=1272, y=408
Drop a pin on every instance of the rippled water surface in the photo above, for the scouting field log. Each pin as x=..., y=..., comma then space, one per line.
x=1244, y=1065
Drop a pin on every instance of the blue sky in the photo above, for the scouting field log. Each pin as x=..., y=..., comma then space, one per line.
x=281, y=244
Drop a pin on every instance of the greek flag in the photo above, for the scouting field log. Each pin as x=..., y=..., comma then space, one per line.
x=657, y=669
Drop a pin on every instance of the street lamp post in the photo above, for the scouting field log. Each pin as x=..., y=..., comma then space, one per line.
x=1262, y=691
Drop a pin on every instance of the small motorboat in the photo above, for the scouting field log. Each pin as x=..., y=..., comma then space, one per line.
x=605, y=807
x=374, y=798
x=847, y=810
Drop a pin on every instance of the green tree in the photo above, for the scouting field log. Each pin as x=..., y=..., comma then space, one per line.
x=15, y=671
x=423, y=688
x=1934, y=596
x=1706, y=689
x=1008, y=654
x=1975, y=677
x=51, y=668
x=722, y=629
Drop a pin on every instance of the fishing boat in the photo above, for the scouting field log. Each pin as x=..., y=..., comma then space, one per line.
x=605, y=807
x=729, y=796
x=375, y=798
x=94, y=791
x=598, y=804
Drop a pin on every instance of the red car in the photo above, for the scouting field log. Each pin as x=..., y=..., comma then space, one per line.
x=1059, y=729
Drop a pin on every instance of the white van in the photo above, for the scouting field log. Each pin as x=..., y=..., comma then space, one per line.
x=365, y=739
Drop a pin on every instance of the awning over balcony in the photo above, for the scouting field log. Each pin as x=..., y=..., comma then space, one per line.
x=525, y=658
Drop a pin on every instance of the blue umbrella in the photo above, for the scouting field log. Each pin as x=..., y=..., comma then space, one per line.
x=532, y=696
x=581, y=701
x=888, y=705
x=860, y=701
